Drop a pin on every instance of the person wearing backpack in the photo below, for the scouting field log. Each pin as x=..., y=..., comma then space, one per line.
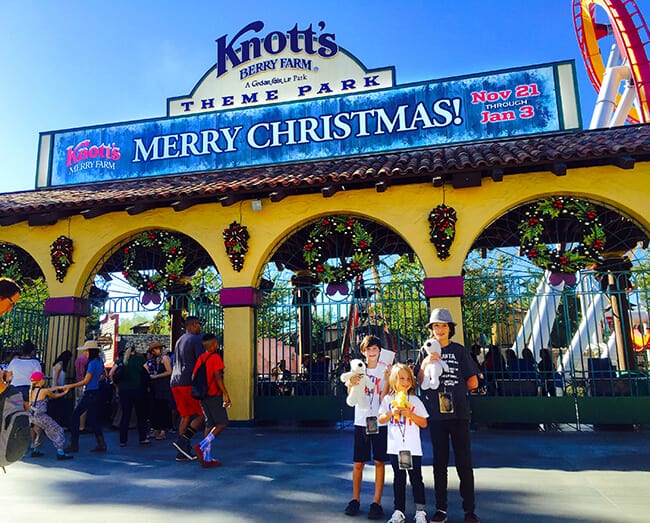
x=207, y=380
x=14, y=419
x=188, y=349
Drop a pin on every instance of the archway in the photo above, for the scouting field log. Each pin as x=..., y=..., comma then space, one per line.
x=159, y=275
x=334, y=280
x=520, y=301
x=25, y=321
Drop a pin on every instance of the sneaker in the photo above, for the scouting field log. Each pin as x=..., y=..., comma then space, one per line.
x=64, y=456
x=199, y=454
x=470, y=517
x=182, y=457
x=72, y=448
x=160, y=436
x=439, y=517
x=145, y=441
x=375, y=511
x=420, y=516
x=36, y=453
x=397, y=517
x=211, y=464
x=353, y=508
x=183, y=446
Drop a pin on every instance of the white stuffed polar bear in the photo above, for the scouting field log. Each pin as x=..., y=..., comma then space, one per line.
x=433, y=371
x=357, y=393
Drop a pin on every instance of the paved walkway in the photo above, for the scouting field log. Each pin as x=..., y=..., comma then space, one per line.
x=304, y=474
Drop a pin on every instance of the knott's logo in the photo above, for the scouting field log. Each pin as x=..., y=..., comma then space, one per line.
x=275, y=42
x=83, y=156
x=84, y=151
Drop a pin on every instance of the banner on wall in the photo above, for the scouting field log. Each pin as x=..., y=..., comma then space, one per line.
x=486, y=106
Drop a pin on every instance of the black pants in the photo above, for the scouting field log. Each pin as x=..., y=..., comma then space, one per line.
x=130, y=398
x=89, y=403
x=458, y=431
x=161, y=414
x=399, y=482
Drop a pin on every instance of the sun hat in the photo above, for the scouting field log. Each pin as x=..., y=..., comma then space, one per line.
x=37, y=376
x=440, y=316
x=155, y=344
x=89, y=344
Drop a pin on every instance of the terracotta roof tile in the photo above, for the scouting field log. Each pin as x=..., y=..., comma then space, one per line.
x=512, y=156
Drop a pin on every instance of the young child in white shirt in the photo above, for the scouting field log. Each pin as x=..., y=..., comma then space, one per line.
x=405, y=415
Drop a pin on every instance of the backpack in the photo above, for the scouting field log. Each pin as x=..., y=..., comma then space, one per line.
x=200, y=381
x=14, y=427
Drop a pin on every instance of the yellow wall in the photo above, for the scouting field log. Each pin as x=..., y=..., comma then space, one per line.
x=404, y=209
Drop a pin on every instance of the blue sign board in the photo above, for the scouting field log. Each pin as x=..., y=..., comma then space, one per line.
x=467, y=109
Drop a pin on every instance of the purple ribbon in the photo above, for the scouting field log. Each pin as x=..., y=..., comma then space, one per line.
x=569, y=278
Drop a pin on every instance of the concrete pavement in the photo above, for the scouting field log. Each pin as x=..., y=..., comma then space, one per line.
x=301, y=474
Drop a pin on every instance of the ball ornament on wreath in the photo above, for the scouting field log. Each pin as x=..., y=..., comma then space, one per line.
x=235, y=240
x=442, y=229
x=9, y=262
x=158, y=280
x=338, y=229
x=585, y=253
x=61, y=256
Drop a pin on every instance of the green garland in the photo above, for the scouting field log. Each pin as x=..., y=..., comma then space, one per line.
x=531, y=229
x=9, y=262
x=162, y=279
x=333, y=227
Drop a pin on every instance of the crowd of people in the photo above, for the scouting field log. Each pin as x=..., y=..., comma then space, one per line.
x=153, y=386
x=497, y=366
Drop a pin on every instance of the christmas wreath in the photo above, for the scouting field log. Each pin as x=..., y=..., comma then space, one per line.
x=442, y=221
x=333, y=228
x=235, y=239
x=161, y=279
x=61, y=256
x=9, y=263
x=531, y=229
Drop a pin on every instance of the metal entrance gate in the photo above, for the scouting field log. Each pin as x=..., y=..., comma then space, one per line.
x=306, y=335
x=597, y=334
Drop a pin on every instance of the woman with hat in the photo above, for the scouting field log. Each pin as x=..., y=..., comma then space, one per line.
x=90, y=400
x=449, y=413
x=160, y=371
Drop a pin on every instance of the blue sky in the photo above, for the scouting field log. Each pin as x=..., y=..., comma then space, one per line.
x=74, y=64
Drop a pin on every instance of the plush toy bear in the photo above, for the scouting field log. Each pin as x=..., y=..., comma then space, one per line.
x=433, y=371
x=401, y=401
x=357, y=393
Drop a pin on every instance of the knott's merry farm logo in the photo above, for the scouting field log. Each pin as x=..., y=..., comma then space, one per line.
x=85, y=156
x=259, y=66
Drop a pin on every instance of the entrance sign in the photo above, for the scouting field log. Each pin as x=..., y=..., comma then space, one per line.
x=259, y=65
x=487, y=106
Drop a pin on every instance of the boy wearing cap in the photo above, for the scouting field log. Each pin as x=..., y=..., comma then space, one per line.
x=38, y=396
x=449, y=411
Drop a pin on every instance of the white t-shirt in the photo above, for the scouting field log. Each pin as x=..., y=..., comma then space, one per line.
x=22, y=369
x=377, y=377
x=404, y=434
x=61, y=380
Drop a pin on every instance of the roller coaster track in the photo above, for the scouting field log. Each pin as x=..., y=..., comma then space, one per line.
x=632, y=38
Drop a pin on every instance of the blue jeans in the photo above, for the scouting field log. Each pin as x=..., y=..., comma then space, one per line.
x=130, y=398
x=89, y=403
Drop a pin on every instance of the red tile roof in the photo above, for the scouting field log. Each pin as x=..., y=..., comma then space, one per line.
x=459, y=164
